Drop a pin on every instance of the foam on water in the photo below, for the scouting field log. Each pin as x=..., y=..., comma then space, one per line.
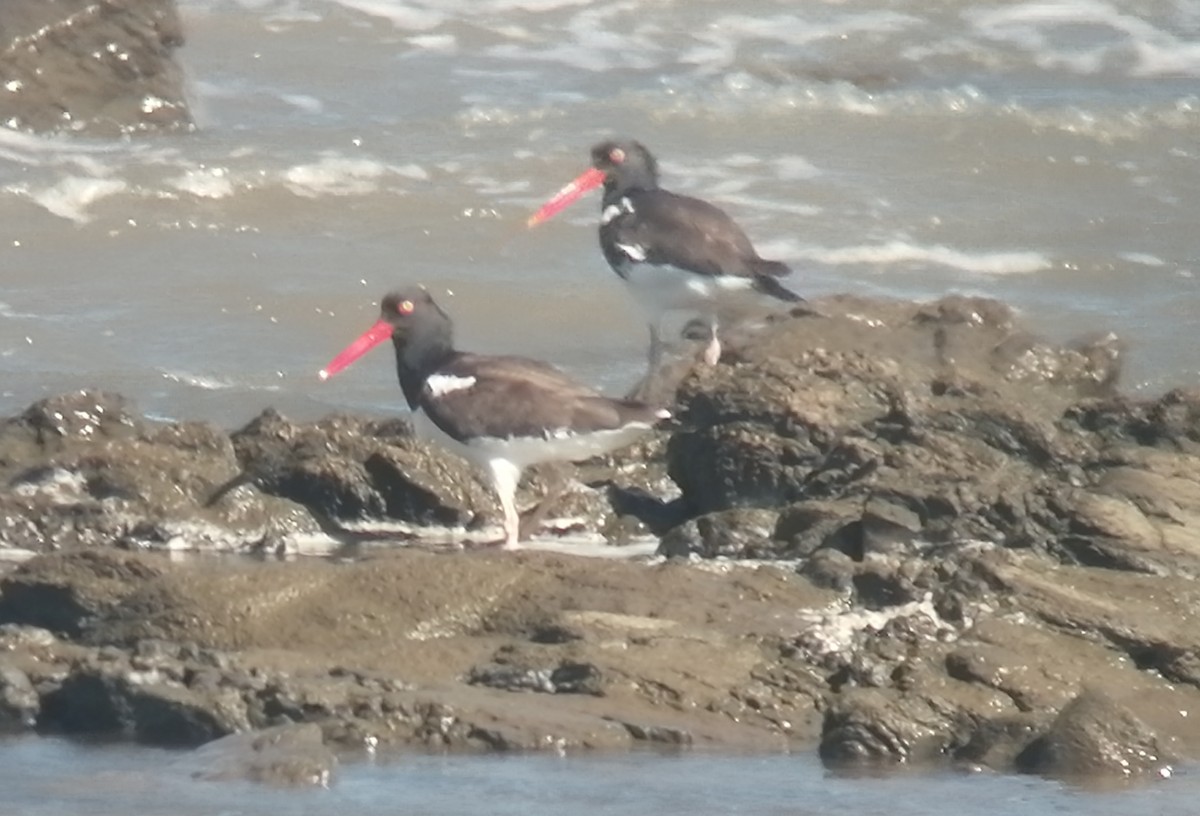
x=71, y=197
x=1087, y=37
x=335, y=175
x=204, y=182
x=902, y=253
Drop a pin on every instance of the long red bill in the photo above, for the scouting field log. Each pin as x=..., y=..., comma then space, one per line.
x=366, y=341
x=587, y=180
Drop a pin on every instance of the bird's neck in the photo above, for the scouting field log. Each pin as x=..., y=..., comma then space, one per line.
x=418, y=357
x=615, y=187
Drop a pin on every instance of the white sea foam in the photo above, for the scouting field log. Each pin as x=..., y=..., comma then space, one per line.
x=7, y=311
x=1143, y=258
x=444, y=43
x=335, y=175
x=905, y=252
x=1050, y=33
x=794, y=168
x=304, y=102
x=71, y=197
x=410, y=16
x=204, y=182
x=208, y=383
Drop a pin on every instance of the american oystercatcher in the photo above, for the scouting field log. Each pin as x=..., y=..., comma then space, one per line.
x=500, y=413
x=675, y=252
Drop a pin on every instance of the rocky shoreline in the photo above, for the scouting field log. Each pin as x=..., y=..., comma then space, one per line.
x=897, y=532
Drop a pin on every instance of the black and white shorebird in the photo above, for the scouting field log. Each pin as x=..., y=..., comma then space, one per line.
x=500, y=413
x=675, y=252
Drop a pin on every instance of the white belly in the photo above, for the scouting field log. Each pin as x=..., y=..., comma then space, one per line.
x=525, y=451
x=662, y=289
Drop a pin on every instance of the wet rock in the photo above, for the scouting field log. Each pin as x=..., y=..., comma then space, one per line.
x=658, y=734
x=420, y=486
x=102, y=67
x=283, y=756
x=83, y=471
x=19, y=702
x=888, y=427
x=867, y=727
x=968, y=524
x=66, y=592
x=808, y=526
x=739, y=533
x=566, y=678
x=116, y=699
x=1093, y=736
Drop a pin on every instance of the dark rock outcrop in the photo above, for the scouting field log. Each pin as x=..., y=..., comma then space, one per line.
x=1093, y=737
x=901, y=533
x=100, y=66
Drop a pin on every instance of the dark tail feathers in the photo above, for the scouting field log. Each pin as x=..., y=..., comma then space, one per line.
x=768, y=285
x=770, y=269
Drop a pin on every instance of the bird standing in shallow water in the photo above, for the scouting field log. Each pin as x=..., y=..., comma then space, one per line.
x=675, y=252
x=500, y=413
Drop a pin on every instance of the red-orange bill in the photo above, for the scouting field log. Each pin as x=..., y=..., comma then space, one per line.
x=366, y=341
x=588, y=180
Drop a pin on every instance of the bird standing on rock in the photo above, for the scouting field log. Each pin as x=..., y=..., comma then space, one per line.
x=675, y=252
x=501, y=413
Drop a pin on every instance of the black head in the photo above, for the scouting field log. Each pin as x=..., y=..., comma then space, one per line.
x=411, y=312
x=626, y=164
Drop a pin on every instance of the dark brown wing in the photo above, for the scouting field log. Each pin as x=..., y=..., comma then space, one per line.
x=686, y=233
x=520, y=397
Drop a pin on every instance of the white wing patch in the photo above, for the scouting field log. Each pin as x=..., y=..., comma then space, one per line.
x=614, y=210
x=441, y=384
x=633, y=251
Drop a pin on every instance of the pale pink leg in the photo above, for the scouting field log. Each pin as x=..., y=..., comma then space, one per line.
x=505, y=477
x=713, y=352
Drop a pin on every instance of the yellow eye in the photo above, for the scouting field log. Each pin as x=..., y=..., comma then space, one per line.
x=405, y=307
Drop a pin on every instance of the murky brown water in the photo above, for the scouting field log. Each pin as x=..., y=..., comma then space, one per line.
x=1039, y=152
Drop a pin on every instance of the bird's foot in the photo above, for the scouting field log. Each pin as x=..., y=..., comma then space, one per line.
x=712, y=352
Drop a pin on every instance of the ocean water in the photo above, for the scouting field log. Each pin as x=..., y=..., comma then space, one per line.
x=50, y=777
x=1041, y=152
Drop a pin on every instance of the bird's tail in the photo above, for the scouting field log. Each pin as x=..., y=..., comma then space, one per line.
x=768, y=285
x=770, y=269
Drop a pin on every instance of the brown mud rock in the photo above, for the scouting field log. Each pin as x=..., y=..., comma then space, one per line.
x=101, y=66
x=83, y=470
x=911, y=533
x=65, y=592
x=881, y=425
x=494, y=651
x=1093, y=736
x=281, y=756
x=19, y=704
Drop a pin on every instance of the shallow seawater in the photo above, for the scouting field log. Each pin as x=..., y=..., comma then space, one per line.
x=1040, y=152
x=50, y=776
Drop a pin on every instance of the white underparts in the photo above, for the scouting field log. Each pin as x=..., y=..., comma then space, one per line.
x=504, y=459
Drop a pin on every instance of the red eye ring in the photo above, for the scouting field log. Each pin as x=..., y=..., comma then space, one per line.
x=405, y=307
